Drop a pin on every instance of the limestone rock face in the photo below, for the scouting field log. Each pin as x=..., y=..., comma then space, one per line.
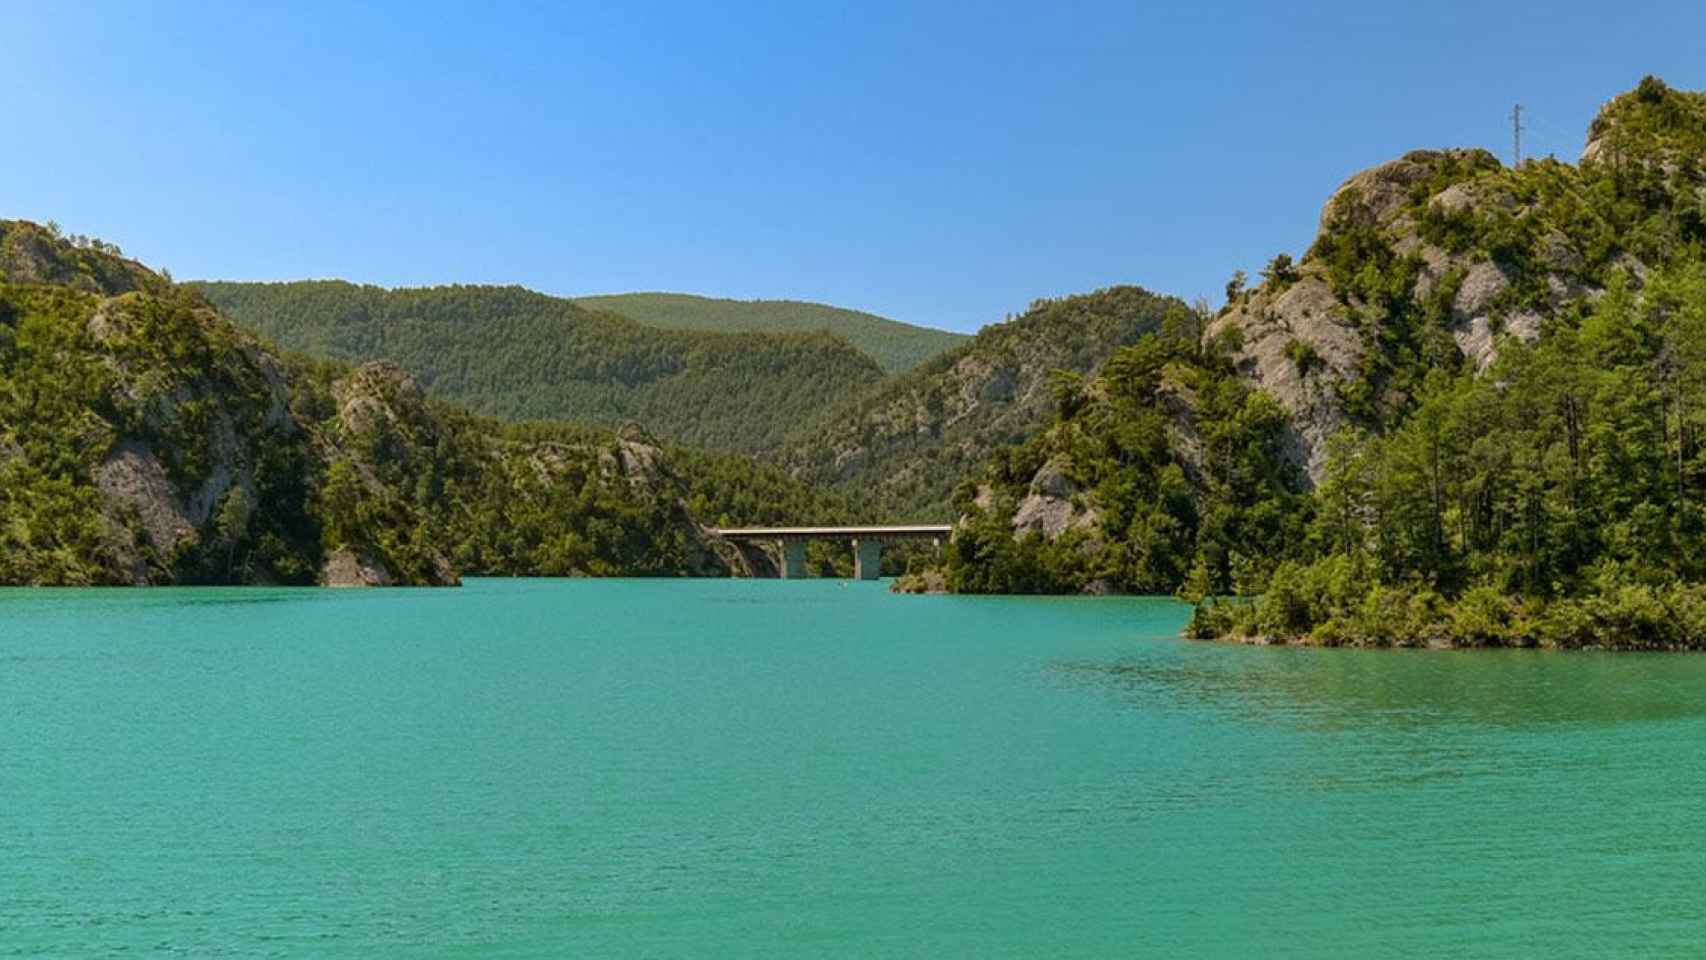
x=346, y=568
x=1306, y=317
x=382, y=399
x=1048, y=507
x=383, y=433
x=1271, y=324
x=636, y=459
x=132, y=477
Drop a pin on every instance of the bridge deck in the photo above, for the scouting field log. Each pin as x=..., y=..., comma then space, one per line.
x=895, y=532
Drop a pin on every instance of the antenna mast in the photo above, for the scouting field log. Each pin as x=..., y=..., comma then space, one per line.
x=1516, y=135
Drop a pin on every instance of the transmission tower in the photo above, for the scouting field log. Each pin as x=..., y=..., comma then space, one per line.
x=1516, y=135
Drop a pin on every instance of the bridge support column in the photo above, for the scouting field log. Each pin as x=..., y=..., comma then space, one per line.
x=867, y=559
x=793, y=559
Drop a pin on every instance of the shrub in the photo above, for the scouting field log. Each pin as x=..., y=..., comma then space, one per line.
x=1303, y=356
x=1280, y=272
x=1481, y=617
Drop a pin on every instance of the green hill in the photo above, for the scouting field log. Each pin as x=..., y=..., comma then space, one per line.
x=1471, y=414
x=519, y=355
x=144, y=438
x=897, y=346
x=906, y=444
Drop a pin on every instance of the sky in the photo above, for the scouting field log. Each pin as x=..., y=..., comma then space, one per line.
x=940, y=163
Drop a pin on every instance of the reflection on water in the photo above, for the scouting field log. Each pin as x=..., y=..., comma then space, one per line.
x=1329, y=689
x=49, y=601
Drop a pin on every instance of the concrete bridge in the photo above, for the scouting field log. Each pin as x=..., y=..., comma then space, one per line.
x=867, y=543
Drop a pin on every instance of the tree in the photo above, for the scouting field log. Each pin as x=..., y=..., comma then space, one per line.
x=1280, y=272
x=232, y=522
x=1235, y=286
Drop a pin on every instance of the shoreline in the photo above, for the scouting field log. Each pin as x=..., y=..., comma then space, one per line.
x=1437, y=644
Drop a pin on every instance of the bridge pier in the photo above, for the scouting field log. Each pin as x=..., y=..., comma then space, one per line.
x=867, y=543
x=867, y=559
x=793, y=559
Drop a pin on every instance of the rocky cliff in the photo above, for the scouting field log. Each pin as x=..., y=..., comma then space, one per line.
x=1432, y=260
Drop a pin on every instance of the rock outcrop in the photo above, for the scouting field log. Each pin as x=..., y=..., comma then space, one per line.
x=32, y=253
x=1052, y=505
x=1446, y=237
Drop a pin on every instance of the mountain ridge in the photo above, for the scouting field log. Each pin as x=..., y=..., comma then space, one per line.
x=516, y=354
x=895, y=345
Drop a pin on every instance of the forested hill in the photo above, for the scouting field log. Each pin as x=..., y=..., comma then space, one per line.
x=897, y=346
x=144, y=438
x=511, y=353
x=1471, y=413
x=909, y=442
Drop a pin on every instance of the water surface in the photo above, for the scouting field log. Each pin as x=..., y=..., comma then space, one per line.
x=783, y=769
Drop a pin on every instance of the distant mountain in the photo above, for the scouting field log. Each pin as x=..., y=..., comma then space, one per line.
x=897, y=346
x=515, y=354
x=907, y=443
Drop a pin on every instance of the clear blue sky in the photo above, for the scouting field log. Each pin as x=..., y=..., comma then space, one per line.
x=939, y=163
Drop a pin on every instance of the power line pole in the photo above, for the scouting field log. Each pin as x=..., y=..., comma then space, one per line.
x=1516, y=134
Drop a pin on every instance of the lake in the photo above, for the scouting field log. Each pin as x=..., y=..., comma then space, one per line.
x=742, y=768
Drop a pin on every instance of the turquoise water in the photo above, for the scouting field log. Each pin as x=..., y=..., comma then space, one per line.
x=818, y=768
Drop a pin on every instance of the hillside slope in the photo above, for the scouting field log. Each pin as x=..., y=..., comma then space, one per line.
x=1471, y=413
x=896, y=346
x=146, y=439
x=511, y=353
x=908, y=443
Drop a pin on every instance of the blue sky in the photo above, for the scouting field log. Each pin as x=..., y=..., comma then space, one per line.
x=939, y=163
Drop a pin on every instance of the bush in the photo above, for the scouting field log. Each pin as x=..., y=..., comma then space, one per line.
x=1279, y=273
x=1303, y=356
x=1481, y=617
x=1651, y=89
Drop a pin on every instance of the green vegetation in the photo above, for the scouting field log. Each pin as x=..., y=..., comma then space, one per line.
x=1146, y=503
x=905, y=445
x=145, y=439
x=1544, y=485
x=104, y=404
x=1560, y=499
x=30, y=253
x=897, y=346
x=518, y=355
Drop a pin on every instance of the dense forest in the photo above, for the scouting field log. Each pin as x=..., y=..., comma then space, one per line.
x=146, y=439
x=517, y=355
x=896, y=346
x=1471, y=414
x=806, y=402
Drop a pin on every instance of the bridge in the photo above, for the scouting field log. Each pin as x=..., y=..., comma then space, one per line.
x=867, y=543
